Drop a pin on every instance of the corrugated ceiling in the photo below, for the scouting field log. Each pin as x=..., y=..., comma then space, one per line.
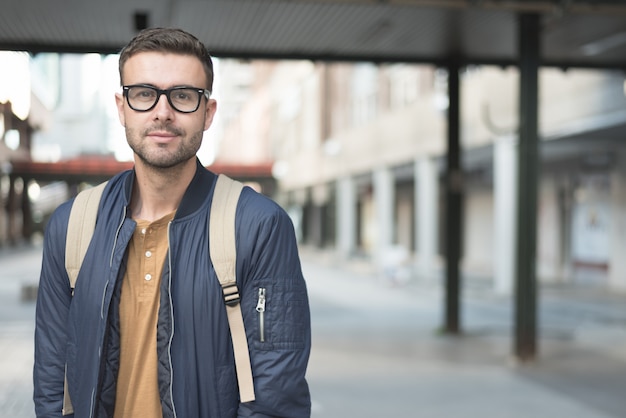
x=575, y=33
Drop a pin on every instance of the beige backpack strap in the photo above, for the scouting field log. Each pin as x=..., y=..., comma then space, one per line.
x=79, y=231
x=224, y=257
x=68, y=408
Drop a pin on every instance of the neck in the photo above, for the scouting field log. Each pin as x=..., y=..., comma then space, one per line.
x=158, y=191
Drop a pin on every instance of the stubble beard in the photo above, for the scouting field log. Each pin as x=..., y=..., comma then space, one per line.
x=158, y=156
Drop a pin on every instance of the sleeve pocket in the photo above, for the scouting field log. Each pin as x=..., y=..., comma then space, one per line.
x=282, y=319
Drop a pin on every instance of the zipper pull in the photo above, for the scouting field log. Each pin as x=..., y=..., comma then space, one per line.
x=260, y=306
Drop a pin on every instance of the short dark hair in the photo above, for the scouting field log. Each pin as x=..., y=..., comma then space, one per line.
x=171, y=40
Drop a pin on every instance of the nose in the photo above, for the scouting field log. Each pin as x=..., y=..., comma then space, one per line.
x=163, y=109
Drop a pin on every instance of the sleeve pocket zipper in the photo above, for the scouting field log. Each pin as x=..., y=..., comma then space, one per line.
x=260, y=308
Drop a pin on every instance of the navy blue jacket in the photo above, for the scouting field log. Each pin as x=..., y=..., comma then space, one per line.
x=196, y=370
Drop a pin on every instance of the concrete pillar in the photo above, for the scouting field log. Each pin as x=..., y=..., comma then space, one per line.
x=505, y=204
x=384, y=199
x=12, y=210
x=426, y=216
x=617, y=234
x=319, y=200
x=4, y=219
x=346, y=216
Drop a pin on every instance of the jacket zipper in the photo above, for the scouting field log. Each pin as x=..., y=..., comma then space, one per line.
x=260, y=308
x=169, y=348
x=91, y=407
x=117, y=235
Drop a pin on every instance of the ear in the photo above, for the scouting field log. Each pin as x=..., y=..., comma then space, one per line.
x=211, y=108
x=119, y=102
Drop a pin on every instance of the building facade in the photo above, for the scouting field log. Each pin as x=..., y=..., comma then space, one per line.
x=360, y=149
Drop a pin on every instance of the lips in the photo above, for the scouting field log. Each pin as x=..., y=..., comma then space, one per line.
x=163, y=135
x=160, y=137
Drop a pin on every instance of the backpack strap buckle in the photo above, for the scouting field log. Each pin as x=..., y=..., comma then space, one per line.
x=231, y=294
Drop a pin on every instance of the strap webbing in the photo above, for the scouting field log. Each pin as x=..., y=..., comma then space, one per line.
x=80, y=229
x=68, y=408
x=224, y=256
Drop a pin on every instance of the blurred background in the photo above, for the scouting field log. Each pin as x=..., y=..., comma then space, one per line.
x=400, y=158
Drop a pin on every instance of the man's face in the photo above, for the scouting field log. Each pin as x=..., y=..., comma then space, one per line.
x=163, y=137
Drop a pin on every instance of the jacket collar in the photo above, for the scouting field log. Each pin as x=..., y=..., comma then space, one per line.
x=195, y=195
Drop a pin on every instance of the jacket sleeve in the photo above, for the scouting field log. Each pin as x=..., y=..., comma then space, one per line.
x=53, y=302
x=279, y=339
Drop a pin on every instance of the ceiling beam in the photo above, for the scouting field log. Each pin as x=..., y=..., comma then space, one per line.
x=522, y=6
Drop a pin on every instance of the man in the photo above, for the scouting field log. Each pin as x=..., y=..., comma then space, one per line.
x=145, y=333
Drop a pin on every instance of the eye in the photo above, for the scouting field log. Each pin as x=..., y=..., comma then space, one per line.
x=184, y=95
x=142, y=93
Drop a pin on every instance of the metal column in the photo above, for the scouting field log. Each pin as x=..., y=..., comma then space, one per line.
x=525, y=346
x=454, y=189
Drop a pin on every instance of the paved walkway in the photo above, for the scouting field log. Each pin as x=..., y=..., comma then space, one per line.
x=18, y=269
x=377, y=353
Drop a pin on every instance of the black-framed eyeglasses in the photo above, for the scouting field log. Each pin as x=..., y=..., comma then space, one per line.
x=142, y=98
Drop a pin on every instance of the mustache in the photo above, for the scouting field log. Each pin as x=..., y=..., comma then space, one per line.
x=163, y=128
